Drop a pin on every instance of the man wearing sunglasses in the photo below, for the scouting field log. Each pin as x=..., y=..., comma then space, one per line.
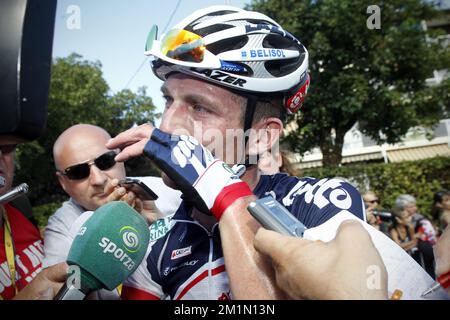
x=21, y=248
x=88, y=173
x=224, y=69
x=375, y=215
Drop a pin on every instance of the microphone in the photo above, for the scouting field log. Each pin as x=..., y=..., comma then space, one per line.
x=107, y=249
x=14, y=193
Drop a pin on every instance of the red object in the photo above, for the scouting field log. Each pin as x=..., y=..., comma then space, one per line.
x=444, y=280
x=228, y=195
x=295, y=102
x=130, y=293
x=29, y=252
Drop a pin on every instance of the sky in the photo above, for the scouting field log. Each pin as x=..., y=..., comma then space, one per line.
x=114, y=33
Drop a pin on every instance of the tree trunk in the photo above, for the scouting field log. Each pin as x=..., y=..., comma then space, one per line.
x=332, y=149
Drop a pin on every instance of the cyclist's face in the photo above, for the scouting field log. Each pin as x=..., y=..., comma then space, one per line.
x=203, y=110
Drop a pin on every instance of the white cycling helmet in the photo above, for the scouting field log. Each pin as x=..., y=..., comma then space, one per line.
x=245, y=51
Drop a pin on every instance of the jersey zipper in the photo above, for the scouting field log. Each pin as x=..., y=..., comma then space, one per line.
x=210, y=255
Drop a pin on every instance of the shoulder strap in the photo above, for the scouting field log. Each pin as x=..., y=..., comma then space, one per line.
x=9, y=249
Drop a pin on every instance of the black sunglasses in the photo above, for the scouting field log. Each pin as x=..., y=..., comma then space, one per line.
x=82, y=170
x=7, y=148
x=373, y=201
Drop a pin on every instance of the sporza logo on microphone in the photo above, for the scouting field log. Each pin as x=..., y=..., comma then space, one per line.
x=130, y=238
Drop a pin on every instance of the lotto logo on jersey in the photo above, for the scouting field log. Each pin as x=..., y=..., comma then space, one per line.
x=178, y=253
x=321, y=194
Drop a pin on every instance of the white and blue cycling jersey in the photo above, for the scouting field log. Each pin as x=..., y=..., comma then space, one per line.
x=185, y=260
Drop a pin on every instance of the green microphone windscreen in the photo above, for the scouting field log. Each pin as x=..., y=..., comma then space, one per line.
x=109, y=246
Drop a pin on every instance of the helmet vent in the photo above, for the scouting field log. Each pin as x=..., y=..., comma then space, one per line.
x=279, y=42
x=228, y=44
x=209, y=30
x=210, y=16
x=280, y=68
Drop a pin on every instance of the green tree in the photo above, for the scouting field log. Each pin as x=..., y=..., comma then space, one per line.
x=79, y=94
x=375, y=77
x=127, y=108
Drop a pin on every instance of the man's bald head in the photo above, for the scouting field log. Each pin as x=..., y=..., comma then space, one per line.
x=77, y=137
x=84, y=143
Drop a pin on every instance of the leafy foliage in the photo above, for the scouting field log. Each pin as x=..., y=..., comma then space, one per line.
x=373, y=77
x=79, y=94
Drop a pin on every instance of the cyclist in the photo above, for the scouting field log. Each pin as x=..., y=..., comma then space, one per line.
x=224, y=69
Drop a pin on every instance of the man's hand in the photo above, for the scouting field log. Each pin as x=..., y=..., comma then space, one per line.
x=206, y=181
x=148, y=210
x=371, y=219
x=117, y=193
x=131, y=142
x=338, y=269
x=46, y=284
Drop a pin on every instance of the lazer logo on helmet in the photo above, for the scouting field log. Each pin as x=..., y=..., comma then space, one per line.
x=119, y=254
x=220, y=76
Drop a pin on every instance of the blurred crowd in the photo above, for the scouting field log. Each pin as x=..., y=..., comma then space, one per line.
x=405, y=225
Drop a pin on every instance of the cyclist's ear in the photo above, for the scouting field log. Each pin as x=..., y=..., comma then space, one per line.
x=265, y=136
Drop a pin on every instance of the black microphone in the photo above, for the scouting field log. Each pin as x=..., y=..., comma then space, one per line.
x=382, y=214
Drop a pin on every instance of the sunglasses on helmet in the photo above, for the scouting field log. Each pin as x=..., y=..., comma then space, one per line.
x=185, y=48
x=82, y=170
x=181, y=47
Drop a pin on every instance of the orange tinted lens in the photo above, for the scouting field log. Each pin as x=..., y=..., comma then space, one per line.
x=183, y=45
